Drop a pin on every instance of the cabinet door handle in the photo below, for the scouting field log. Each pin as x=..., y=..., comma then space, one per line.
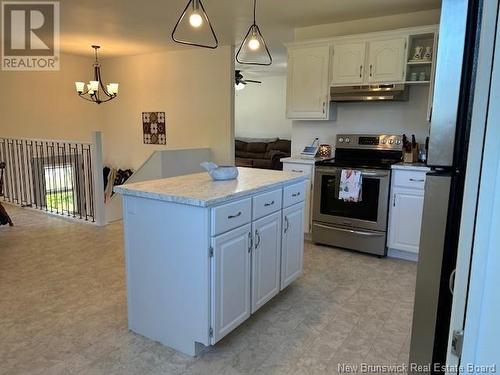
x=416, y=180
x=234, y=216
x=360, y=71
x=257, y=239
x=250, y=242
x=268, y=204
x=371, y=69
x=298, y=170
x=287, y=224
x=394, y=201
x=324, y=105
x=296, y=194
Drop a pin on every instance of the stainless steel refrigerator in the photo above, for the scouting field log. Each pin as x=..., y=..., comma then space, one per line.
x=447, y=150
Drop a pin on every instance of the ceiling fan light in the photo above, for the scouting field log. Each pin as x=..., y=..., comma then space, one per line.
x=239, y=86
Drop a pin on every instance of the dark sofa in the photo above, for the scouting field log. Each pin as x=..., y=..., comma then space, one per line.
x=264, y=154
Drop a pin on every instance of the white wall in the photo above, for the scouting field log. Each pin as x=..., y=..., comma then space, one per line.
x=45, y=104
x=260, y=109
x=367, y=25
x=192, y=86
x=194, y=89
x=372, y=118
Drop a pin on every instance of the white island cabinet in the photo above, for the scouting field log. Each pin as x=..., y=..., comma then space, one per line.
x=202, y=256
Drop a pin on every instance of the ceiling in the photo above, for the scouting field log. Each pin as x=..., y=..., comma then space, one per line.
x=129, y=27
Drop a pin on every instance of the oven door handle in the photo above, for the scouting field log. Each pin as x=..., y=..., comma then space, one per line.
x=368, y=234
x=374, y=174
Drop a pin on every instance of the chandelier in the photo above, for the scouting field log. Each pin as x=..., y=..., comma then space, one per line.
x=95, y=90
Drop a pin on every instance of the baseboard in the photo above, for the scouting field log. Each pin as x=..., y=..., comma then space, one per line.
x=400, y=254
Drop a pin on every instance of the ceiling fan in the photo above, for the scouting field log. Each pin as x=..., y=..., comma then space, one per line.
x=239, y=82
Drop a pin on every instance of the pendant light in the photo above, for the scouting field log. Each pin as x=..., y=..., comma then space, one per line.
x=194, y=27
x=253, y=50
x=95, y=91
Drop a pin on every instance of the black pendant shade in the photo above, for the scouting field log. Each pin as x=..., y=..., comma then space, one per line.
x=194, y=27
x=253, y=50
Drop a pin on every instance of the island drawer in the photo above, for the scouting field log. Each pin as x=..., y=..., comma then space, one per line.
x=231, y=215
x=298, y=168
x=294, y=194
x=267, y=203
x=409, y=179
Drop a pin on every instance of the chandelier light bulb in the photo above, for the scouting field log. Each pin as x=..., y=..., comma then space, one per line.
x=113, y=88
x=195, y=19
x=94, y=85
x=80, y=86
x=254, y=43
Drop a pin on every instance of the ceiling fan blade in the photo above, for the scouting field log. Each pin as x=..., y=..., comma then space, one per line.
x=252, y=81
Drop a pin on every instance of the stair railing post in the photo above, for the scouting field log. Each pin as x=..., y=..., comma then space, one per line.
x=97, y=173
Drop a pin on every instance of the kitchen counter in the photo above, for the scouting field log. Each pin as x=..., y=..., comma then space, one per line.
x=200, y=190
x=421, y=167
x=202, y=256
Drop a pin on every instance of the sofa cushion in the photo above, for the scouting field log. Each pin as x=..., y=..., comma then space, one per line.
x=251, y=155
x=257, y=147
x=240, y=145
x=251, y=140
x=280, y=145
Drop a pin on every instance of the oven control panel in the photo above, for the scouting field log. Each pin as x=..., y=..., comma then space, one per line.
x=369, y=141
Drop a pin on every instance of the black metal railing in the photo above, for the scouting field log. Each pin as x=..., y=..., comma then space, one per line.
x=54, y=176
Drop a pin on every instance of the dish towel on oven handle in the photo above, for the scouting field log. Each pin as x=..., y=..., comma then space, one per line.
x=351, y=182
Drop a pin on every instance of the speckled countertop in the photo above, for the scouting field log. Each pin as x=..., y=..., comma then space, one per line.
x=199, y=190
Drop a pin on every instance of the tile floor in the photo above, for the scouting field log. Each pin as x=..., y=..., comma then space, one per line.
x=63, y=310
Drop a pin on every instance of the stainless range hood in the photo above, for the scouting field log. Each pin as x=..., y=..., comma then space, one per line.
x=370, y=93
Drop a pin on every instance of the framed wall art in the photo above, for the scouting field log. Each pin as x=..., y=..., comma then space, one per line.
x=154, y=128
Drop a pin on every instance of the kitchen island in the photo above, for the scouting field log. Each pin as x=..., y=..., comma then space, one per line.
x=202, y=256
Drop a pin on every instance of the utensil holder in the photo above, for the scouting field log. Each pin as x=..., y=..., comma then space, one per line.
x=412, y=156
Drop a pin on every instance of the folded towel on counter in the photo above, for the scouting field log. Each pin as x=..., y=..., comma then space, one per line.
x=351, y=182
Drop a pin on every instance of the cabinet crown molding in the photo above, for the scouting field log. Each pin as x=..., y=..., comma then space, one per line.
x=427, y=29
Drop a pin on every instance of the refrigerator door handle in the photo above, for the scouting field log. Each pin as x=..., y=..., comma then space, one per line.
x=451, y=282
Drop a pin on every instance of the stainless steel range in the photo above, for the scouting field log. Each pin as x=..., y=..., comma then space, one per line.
x=362, y=225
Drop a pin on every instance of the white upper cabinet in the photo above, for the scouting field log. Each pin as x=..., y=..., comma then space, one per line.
x=386, y=61
x=348, y=64
x=308, y=83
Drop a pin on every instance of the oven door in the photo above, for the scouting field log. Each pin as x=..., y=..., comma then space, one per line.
x=369, y=213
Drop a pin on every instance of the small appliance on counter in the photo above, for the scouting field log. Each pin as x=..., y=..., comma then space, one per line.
x=360, y=225
x=309, y=152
